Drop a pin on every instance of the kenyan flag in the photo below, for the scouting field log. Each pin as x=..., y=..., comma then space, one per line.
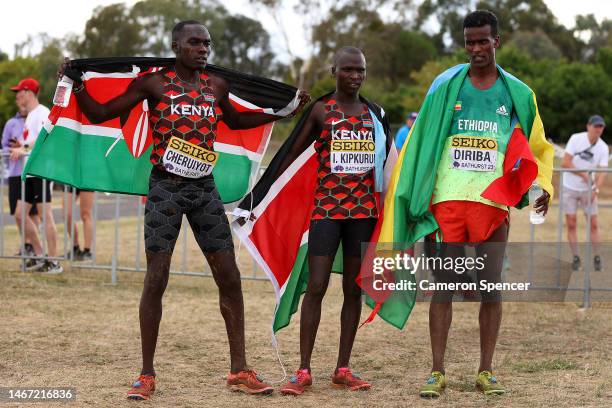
x=114, y=156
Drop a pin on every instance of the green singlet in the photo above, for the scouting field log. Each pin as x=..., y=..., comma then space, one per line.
x=474, y=152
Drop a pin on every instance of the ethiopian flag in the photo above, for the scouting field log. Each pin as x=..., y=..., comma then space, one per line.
x=529, y=156
x=113, y=156
x=275, y=216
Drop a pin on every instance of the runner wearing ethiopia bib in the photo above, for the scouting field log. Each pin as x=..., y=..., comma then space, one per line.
x=186, y=103
x=345, y=210
x=472, y=159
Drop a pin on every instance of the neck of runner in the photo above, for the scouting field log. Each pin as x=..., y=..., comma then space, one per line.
x=186, y=75
x=483, y=78
x=345, y=98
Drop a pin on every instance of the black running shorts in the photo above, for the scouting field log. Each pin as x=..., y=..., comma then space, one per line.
x=172, y=196
x=325, y=235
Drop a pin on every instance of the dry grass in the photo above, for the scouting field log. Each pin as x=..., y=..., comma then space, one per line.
x=76, y=330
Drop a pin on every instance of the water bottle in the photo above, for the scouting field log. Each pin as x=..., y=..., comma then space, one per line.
x=62, y=92
x=535, y=192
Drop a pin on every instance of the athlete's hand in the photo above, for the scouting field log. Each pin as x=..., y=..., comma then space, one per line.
x=541, y=204
x=304, y=98
x=66, y=69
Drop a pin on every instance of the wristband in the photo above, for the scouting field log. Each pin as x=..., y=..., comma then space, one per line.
x=78, y=89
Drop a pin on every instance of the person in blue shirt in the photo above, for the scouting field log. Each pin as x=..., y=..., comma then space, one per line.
x=402, y=133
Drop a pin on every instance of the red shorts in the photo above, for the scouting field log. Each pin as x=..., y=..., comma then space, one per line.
x=467, y=221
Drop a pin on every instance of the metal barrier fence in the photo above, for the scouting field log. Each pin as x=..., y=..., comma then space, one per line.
x=121, y=208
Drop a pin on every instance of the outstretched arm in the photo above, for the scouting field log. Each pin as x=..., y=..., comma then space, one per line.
x=313, y=125
x=146, y=87
x=247, y=120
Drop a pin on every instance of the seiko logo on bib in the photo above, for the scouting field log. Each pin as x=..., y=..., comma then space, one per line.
x=473, y=153
x=188, y=160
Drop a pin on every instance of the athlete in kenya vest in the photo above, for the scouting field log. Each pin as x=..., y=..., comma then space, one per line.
x=184, y=127
x=345, y=188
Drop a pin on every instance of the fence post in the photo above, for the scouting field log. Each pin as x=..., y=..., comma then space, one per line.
x=559, y=228
x=116, y=243
x=586, y=303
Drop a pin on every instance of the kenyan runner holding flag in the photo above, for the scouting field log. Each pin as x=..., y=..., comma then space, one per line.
x=187, y=102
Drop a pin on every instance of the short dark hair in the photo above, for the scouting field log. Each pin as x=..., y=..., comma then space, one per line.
x=178, y=27
x=481, y=18
x=347, y=49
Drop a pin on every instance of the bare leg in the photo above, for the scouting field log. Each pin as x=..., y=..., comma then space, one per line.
x=150, y=312
x=320, y=270
x=490, y=314
x=351, y=309
x=572, y=237
x=87, y=199
x=227, y=277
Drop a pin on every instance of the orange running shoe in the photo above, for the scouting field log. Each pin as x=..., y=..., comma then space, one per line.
x=344, y=378
x=249, y=382
x=297, y=384
x=142, y=388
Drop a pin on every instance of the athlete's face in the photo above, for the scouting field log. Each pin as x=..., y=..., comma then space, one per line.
x=350, y=72
x=193, y=46
x=480, y=45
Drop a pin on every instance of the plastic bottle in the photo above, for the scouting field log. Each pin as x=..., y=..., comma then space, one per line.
x=62, y=92
x=535, y=192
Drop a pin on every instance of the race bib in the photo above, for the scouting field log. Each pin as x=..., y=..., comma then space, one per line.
x=473, y=153
x=349, y=154
x=188, y=160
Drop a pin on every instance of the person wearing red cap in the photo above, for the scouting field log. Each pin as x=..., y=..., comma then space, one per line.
x=26, y=94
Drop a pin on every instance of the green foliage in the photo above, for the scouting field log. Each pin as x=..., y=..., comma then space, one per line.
x=11, y=72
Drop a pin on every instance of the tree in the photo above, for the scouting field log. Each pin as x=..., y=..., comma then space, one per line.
x=536, y=44
x=11, y=72
x=111, y=32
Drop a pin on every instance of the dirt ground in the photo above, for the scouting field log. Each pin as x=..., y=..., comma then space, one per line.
x=77, y=330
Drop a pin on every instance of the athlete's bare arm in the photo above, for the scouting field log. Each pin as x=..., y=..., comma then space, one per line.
x=245, y=120
x=147, y=87
x=312, y=126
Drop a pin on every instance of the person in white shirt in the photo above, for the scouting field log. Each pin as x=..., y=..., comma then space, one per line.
x=36, y=189
x=585, y=150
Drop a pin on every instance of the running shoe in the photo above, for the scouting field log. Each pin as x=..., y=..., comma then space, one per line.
x=34, y=264
x=597, y=263
x=85, y=255
x=28, y=251
x=249, y=382
x=297, y=383
x=50, y=268
x=344, y=378
x=74, y=254
x=488, y=384
x=143, y=388
x=576, y=263
x=434, y=385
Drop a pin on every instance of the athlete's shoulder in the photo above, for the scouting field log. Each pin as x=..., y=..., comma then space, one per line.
x=515, y=82
x=446, y=76
x=216, y=80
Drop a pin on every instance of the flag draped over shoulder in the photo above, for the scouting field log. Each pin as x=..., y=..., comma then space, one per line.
x=282, y=204
x=407, y=205
x=113, y=156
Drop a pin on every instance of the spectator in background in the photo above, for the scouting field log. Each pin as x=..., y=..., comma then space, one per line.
x=13, y=130
x=85, y=199
x=584, y=150
x=402, y=133
x=27, y=96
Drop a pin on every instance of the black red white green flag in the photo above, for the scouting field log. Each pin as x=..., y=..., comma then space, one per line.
x=114, y=156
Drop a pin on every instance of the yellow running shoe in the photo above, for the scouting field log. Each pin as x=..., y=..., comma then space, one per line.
x=488, y=384
x=434, y=385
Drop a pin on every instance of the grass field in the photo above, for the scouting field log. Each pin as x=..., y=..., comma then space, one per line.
x=77, y=330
